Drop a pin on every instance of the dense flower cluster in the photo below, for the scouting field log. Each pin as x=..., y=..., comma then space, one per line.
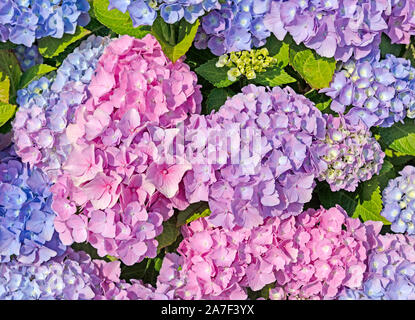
x=22, y=22
x=116, y=174
x=26, y=216
x=266, y=162
x=391, y=270
x=351, y=153
x=342, y=28
x=311, y=256
x=235, y=26
x=399, y=201
x=247, y=63
x=380, y=93
x=48, y=106
x=144, y=12
x=28, y=56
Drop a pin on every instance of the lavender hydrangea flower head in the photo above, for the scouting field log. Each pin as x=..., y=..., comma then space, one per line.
x=264, y=144
x=391, y=269
x=341, y=28
x=399, y=201
x=380, y=93
x=235, y=26
x=26, y=216
x=22, y=22
x=48, y=106
x=351, y=153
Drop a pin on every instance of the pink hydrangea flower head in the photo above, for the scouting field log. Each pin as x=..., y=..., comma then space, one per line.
x=118, y=186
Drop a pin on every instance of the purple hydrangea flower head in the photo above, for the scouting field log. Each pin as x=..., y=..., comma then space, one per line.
x=48, y=106
x=390, y=274
x=379, y=93
x=262, y=147
x=399, y=201
x=351, y=153
x=26, y=216
x=22, y=22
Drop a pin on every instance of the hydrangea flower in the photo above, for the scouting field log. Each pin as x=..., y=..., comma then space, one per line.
x=380, y=93
x=390, y=274
x=26, y=216
x=235, y=26
x=144, y=12
x=72, y=276
x=342, y=28
x=399, y=201
x=262, y=148
x=117, y=187
x=311, y=256
x=351, y=153
x=28, y=56
x=247, y=63
x=22, y=22
x=46, y=107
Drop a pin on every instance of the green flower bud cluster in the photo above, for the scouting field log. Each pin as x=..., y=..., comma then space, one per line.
x=247, y=63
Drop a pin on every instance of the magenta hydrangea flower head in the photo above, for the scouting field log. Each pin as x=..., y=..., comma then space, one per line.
x=351, y=153
x=262, y=145
x=390, y=274
x=117, y=186
x=380, y=93
x=399, y=201
x=26, y=217
x=46, y=107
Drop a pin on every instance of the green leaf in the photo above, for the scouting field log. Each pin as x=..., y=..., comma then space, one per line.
x=387, y=47
x=175, y=39
x=410, y=53
x=88, y=248
x=117, y=21
x=321, y=101
x=50, y=47
x=195, y=209
x=10, y=74
x=4, y=90
x=317, y=71
x=34, y=73
x=369, y=203
x=399, y=137
x=6, y=112
x=386, y=173
x=273, y=77
x=279, y=50
x=7, y=45
x=216, y=76
x=328, y=198
x=216, y=99
x=169, y=234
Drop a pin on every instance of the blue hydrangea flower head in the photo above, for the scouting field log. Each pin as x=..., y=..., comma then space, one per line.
x=399, y=201
x=26, y=217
